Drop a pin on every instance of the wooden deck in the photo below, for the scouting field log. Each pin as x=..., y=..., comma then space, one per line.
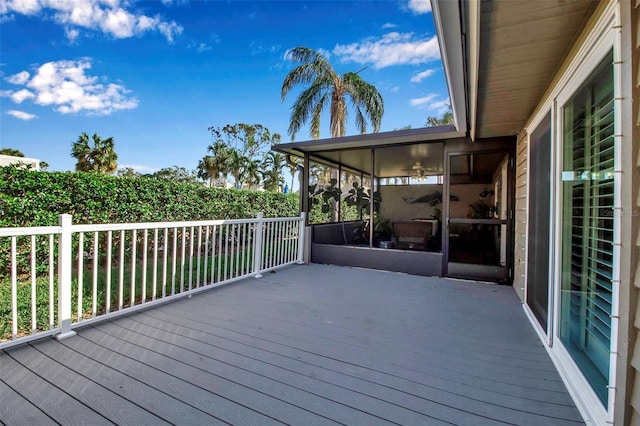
x=307, y=345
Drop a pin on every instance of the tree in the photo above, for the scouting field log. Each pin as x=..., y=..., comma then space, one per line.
x=12, y=152
x=127, y=172
x=248, y=139
x=175, y=174
x=44, y=166
x=236, y=164
x=252, y=173
x=99, y=157
x=294, y=164
x=272, y=166
x=213, y=167
x=235, y=150
x=326, y=87
x=447, y=118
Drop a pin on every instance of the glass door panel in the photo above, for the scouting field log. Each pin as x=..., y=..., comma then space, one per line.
x=587, y=226
x=477, y=231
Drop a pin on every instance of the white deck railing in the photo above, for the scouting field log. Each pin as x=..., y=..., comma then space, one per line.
x=60, y=277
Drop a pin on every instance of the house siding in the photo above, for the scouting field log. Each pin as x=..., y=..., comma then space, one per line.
x=520, y=245
x=630, y=14
x=626, y=407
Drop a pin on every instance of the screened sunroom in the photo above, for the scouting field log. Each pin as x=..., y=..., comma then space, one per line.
x=425, y=201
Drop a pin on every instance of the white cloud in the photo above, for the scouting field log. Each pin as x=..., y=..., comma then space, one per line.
x=107, y=16
x=388, y=25
x=139, y=168
x=66, y=86
x=422, y=75
x=21, y=115
x=21, y=95
x=72, y=34
x=431, y=102
x=419, y=7
x=418, y=102
x=440, y=106
x=324, y=52
x=203, y=47
x=392, y=49
x=20, y=78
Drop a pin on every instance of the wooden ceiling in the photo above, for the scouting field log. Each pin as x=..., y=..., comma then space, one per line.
x=522, y=46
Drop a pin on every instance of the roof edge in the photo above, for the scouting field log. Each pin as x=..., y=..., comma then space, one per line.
x=371, y=140
x=447, y=20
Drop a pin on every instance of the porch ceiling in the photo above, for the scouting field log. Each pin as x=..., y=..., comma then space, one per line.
x=396, y=151
x=522, y=45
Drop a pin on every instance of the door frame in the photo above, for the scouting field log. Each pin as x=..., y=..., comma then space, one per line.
x=474, y=271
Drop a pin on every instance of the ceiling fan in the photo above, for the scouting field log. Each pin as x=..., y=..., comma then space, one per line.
x=416, y=170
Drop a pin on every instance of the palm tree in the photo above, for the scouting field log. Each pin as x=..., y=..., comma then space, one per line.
x=236, y=164
x=272, y=166
x=212, y=166
x=326, y=87
x=99, y=157
x=252, y=173
x=293, y=164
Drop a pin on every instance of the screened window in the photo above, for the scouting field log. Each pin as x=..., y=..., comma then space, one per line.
x=587, y=226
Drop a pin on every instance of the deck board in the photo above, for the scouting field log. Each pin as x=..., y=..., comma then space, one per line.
x=311, y=344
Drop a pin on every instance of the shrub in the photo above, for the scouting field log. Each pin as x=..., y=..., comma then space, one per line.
x=30, y=198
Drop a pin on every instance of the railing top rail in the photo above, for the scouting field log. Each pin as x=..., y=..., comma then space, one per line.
x=282, y=219
x=30, y=230
x=161, y=225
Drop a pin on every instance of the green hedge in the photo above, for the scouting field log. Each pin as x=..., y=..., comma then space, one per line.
x=30, y=198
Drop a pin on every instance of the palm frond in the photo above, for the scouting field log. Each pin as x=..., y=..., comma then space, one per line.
x=304, y=107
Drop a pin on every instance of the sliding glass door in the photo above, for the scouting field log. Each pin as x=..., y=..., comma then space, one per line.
x=587, y=226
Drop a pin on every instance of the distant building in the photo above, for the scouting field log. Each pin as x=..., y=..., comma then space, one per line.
x=7, y=160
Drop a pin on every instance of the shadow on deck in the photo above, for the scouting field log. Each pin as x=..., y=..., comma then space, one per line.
x=305, y=345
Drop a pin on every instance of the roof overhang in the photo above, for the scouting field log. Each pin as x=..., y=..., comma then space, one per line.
x=503, y=55
x=447, y=17
x=371, y=140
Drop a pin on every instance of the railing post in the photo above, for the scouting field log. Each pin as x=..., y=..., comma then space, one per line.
x=301, y=242
x=64, y=277
x=257, y=246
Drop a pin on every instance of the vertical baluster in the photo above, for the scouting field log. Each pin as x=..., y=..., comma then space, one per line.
x=14, y=290
x=33, y=285
x=199, y=259
x=154, y=274
x=51, y=272
x=173, y=267
x=108, y=273
x=280, y=242
x=219, y=259
x=165, y=251
x=272, y=245
x=206, y=256
x=182, y=260
x=214, y=229
x=291, y=238
x=243, y=255
x=265, y=246
x=191, y=256
x=237, y=264
x=132, y=286
x=121, y=272
x=287, y=240
x=94, y=293
x=226, y=249
x=80, y=273
x=143, y=296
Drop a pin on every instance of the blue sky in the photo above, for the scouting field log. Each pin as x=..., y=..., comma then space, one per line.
x=154, y=75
